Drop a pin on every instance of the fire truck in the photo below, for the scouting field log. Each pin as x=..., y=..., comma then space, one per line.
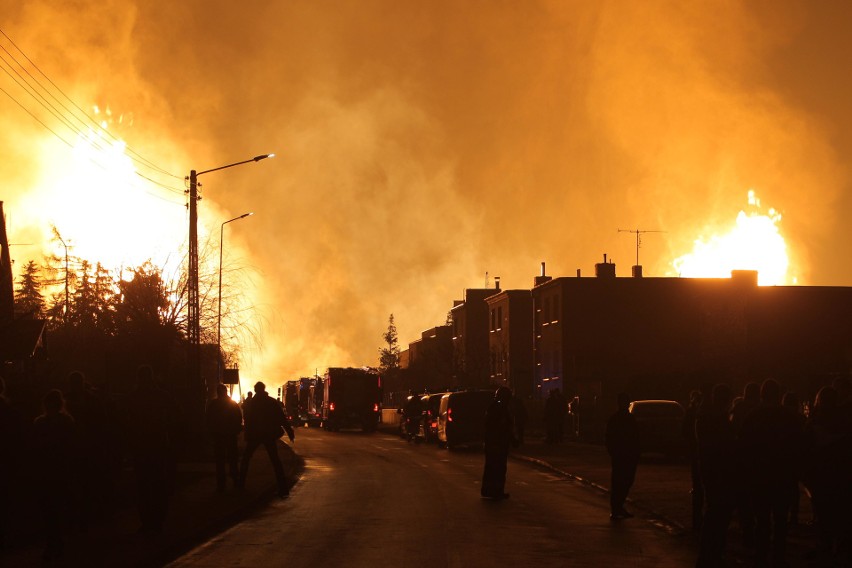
x=351, y=398
x=310, y=401
x=290, y=399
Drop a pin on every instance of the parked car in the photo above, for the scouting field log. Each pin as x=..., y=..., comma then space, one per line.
x=431, y=404
x=659, y=426
x=461, y=418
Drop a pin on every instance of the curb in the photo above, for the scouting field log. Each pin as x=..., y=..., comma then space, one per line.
x=669, y=525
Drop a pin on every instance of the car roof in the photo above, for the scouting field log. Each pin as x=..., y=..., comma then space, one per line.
x=658, y=407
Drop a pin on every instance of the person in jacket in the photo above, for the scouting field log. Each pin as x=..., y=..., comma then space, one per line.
x=55, y=439
x=499, y=436
x=770, y=441
x=622, y=444
x=265, y=423
x=224, y=423
x=150, y=425
x=742, y=407
x=716, y=452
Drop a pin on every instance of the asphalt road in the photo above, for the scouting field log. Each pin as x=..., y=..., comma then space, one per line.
x=376, y=500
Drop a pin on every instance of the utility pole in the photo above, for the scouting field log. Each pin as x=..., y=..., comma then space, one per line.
x=193, y=326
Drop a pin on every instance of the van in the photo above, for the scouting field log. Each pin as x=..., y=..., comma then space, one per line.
x=461, y=418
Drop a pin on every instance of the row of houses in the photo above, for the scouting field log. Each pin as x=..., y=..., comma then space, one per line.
x=654, y=337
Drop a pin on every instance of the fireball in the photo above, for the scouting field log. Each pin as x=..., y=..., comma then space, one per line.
x=754, y=242
x=101, y=206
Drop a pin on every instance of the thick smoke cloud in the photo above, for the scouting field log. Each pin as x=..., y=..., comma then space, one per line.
x=421, y=145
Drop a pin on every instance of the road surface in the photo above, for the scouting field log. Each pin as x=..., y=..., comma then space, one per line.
x=375, y=500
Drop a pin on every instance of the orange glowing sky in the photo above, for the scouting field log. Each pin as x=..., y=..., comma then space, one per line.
x=421, y=145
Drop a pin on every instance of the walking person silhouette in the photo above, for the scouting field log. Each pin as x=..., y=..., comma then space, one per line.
x=266, y=422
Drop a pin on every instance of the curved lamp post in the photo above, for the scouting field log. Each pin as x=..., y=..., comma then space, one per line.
x=219, y=318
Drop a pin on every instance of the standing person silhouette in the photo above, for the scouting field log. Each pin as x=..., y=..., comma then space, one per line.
x=770, y=441
x=224, y=423
x=740, y=409
x=622, y=443
x=150, y=426
x=54, y=434
x=266, y=422
x=11, y=457
x=824, y=476
x=717, y=456
x=92, y=485
x=499, y=436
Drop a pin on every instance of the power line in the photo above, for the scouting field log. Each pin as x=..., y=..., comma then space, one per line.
x=63, y=117
x=97, y=124
x=91, y=159
x=37, y=119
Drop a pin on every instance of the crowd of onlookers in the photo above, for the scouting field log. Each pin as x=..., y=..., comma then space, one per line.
x=751, y=457
x=66, y=462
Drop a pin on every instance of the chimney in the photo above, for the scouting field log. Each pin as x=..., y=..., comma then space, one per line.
x=497, y=283
x=744, y=278
x=637, y=271
x=539, y=280
x=605, y=269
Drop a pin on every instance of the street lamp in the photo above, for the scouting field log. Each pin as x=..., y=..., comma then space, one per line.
x=193, y=319
x=219, y=318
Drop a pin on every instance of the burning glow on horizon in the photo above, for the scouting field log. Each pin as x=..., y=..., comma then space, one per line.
x=753, y=243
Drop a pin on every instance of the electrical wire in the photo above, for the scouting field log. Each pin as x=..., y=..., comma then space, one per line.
x=93, y=121
x=37, y=119
x=63, y=117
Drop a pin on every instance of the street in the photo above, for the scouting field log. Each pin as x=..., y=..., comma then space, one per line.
x=374, y=499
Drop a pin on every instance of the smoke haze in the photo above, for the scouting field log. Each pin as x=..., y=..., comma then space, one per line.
x=422, y=144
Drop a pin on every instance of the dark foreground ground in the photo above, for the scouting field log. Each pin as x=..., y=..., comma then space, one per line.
x=660, y=494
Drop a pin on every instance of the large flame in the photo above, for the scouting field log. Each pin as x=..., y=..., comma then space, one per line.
x=102, y=209
x=753, y=243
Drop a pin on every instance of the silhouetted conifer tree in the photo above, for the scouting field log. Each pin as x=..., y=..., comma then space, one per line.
x=389, y=356
x=29, y=301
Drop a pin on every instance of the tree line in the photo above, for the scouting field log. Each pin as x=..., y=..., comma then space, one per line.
x=106, y=323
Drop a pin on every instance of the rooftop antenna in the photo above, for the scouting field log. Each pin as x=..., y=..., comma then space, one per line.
x=638, y=234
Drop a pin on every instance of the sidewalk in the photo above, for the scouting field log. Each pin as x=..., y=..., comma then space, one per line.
x=661, y=493
x=196, y=512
